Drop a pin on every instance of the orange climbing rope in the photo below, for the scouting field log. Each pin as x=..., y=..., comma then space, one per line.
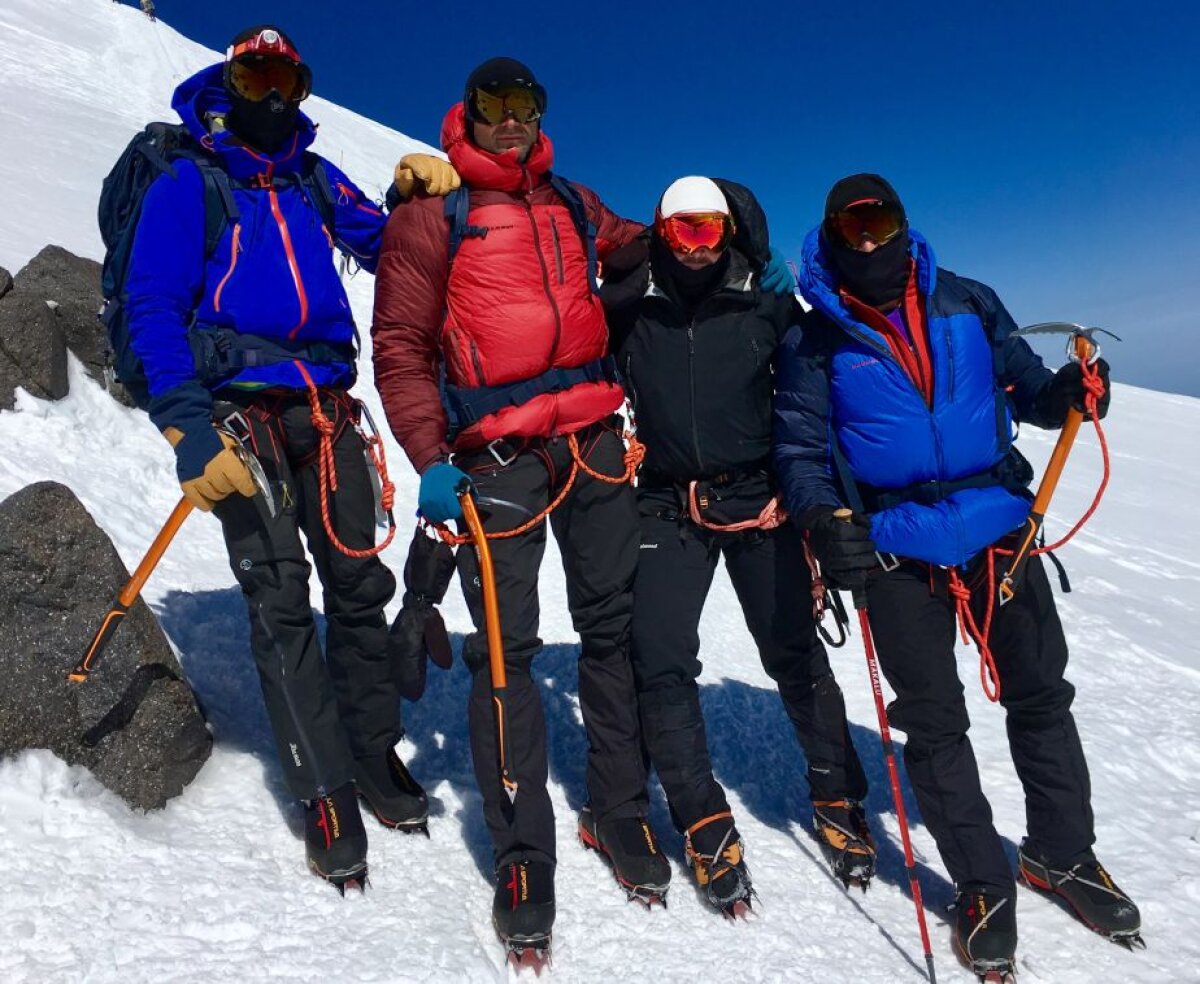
x=635, y=451
x=327, y=470
x=961, y=593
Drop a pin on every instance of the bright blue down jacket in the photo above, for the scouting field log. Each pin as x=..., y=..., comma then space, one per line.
x=839, y=379
x=272, y=275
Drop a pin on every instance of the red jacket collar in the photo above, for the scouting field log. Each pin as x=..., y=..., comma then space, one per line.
x=482, y=169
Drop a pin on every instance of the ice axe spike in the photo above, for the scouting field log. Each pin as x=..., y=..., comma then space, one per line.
x=129, y=593
x=491, y=614
x=1081, y=348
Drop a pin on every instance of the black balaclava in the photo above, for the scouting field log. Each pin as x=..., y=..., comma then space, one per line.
x=688, y=285
x=878, y=278
x=265, y=125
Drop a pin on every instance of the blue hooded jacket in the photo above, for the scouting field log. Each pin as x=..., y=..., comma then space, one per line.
x=945, y=479
x=272, y=274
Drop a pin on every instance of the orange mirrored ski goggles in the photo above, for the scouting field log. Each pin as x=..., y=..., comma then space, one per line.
x=254, y=77
x=687, y=232
x=878, y=221
x=492, y=104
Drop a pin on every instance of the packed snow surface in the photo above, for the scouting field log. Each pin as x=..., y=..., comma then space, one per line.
x=214, y=887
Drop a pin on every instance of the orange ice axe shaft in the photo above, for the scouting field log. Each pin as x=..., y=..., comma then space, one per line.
x=491, y=615
x=129, y=593
x=1085, y=350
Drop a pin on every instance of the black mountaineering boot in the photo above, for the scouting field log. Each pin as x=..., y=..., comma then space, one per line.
x=629, y=846
x=523, y=909
x=985, y=934
x=1091, y=893
x=335, y=840
x=845, y=840
x=395, y=797
x=714, y=852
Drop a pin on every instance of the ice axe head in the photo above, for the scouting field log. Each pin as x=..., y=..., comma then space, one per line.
x=1081, y=342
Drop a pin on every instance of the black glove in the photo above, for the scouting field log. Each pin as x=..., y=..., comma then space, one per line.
x=1066, y=390
x=418, y=634
x=843, y=547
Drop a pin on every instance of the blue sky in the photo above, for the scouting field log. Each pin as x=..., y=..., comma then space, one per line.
x=1049, y=149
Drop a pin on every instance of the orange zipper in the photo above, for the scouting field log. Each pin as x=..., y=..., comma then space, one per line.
x=286, y=236
x=234, y=249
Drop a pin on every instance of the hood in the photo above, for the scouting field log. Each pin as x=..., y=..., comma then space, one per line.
x=203, y=94
x=819, y=282
x=480, y=168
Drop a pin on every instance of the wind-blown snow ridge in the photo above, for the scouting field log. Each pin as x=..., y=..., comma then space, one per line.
x=214, y=887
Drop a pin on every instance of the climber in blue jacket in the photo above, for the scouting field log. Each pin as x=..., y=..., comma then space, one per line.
x=896, y=399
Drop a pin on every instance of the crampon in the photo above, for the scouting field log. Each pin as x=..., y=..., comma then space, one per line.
x=845, y=841
x=721, y=874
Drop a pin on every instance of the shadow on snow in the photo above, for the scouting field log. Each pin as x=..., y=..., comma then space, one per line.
x=754, y=750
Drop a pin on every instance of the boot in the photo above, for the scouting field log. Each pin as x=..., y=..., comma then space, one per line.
x=714, y=853
x=1090, y=892
x=395, y=797
x=845, y=840
x=985, y=933
x=334, y=838
x=631, y=850
x=523, y=907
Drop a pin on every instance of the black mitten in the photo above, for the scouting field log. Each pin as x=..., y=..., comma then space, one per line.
x=418, y=634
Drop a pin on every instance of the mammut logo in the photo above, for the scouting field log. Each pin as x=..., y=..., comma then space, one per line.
x=648, y=546
x=524, y=884
x=495, y=228
x=864, y=363
x=295, y=753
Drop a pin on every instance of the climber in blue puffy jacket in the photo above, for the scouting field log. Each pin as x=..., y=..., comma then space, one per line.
x=893, y=441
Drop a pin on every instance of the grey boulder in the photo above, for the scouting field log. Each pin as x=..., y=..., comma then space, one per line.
x=135, y=722
x=33, y=351
x=72, y=283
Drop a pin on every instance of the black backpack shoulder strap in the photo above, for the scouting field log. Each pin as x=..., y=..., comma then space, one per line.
x=587, y=229
x=456, y=208
x=220, y=208
x=316, y=179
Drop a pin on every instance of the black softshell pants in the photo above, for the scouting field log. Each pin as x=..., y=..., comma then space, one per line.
x=913, y=622
x=596, y=529
x=676, y=565
x=326, y=711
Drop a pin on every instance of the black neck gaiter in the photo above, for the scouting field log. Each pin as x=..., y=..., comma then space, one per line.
x=265, y=125
x=689, y=286
x=878, y=278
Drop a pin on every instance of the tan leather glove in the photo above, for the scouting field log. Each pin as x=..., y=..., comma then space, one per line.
x=436, y=175
x=224, y=474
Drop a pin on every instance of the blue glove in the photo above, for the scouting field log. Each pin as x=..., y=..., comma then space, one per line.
x=776, y=276
x=437, y=499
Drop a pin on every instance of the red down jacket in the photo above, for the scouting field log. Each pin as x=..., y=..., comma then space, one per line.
x=514, y=303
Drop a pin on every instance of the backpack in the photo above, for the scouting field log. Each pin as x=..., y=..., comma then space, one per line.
x=147, y=156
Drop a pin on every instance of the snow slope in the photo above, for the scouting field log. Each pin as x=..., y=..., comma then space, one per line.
x=214, y=886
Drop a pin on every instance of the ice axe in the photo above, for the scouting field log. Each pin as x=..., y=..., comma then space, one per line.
x=889, y=755
x=495, y=641
x=129, y=593
x=1081, y=348
x=133, y=587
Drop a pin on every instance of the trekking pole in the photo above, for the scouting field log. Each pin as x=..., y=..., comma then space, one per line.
x=129, y=593
x=889, y=755
x=491, y=615
x=1085, y=351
